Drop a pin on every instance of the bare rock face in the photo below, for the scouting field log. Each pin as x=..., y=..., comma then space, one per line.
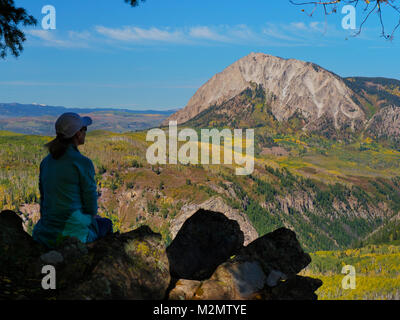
x=385, y=123
x=293, y=85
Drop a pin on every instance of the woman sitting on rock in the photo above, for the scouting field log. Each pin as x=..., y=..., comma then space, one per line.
x=68, y=192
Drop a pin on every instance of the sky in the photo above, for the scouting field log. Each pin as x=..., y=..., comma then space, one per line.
x=104, y=53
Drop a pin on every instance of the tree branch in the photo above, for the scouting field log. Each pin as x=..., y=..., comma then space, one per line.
x=332, y=7
x=11, y=37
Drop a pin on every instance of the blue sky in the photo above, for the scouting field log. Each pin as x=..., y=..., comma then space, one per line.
x=103, y=53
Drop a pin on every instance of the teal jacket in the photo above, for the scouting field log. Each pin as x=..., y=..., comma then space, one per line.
x=68, y=199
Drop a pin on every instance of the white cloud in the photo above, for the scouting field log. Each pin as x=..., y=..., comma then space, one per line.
x=196, y=35
x=315, y=33
x=278, y=33
x=84, y=35
x=49, y=38
x=242, y=31
x=289, y=34
x=299, y=25
x=140, y=34
x=204, y=32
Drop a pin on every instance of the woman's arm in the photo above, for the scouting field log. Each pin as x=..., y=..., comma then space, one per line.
x=88, y=187
x=41, y=186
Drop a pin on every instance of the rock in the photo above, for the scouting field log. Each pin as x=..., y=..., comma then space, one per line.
x=184, y=289
x=205, y=240
x=265, y=269
x=17, y=249
x=277, y=251
x=233, y=280
x=216, y=204
x=274, y=277
x=30, y=213
x=52, y=257
x=133, y=265
x=297, y=288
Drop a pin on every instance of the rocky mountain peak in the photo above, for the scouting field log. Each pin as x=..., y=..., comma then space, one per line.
x=293, y=86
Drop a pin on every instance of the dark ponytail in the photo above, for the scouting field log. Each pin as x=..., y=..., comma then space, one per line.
x=58, y=146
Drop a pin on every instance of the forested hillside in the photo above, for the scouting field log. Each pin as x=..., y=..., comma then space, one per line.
x=377, y=273
x=332, y=194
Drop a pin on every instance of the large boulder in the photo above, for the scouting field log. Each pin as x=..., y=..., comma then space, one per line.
x=216, y=204
x=18, y=254
x=279, y=252
x=233, y=280
x=17, y=249
x=205, y=240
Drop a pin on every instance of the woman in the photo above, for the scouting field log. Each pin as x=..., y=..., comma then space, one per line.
x=68, y=195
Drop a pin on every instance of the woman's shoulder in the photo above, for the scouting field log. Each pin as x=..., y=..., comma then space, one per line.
x=45, y=160
x=80, y=159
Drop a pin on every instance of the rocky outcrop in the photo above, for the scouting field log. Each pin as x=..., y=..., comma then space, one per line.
x=30, y=214
x=296, y=87
x=136, y=265
x=216, y=204
x=132, y=265
x=265, y=269
x=385, y=123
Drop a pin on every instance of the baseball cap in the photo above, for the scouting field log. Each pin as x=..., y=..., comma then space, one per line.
x=70, y=123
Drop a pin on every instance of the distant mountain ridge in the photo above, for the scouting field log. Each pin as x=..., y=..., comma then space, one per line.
x=30, y=110
x=38, y=119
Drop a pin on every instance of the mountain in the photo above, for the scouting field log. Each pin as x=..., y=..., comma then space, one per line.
x=36, y=110
x=291, y=89
x=39, y=119
x=374, y=94
x=385, y=123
